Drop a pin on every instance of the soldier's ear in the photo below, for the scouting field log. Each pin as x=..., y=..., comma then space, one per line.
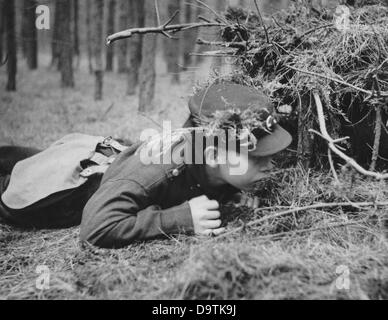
x=211, y=156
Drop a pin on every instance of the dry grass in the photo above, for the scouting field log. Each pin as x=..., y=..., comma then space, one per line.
x=253, y=264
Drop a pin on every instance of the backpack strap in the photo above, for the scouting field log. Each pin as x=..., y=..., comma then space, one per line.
x=110, y=142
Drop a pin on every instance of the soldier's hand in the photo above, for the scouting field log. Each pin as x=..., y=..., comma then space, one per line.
x=206, y=216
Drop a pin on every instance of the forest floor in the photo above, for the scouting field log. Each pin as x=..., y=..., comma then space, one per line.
x=342, y=255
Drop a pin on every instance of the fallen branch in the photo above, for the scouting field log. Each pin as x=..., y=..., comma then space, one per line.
x=331, y=142
x=309, y=230
x=315, y=29
x=376, y=144
x=299, y=209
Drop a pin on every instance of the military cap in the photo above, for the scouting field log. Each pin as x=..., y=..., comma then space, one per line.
x=223, y=96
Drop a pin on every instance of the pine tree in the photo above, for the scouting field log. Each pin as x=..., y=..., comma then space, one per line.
x=98, y=43
x=172, y=47
x=147, y=69
x=55, y=45
x=1, y=31
x=189, y=37
x=29, y=34
x=89, y=35
x=136, y=19
x=122, y=45
x=110, y=29
x=9, y=17
x=65, y=43
x=76, y=47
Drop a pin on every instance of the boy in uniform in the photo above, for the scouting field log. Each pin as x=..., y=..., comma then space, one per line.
x=129, y=199
x=139, y=201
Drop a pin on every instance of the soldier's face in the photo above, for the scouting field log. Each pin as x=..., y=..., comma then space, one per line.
x=255, y=170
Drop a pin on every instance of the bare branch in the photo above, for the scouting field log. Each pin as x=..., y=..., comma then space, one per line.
x=376, y=144
x=160, y=29
x=157, y=12
x=214, y=11
x=324, y=134
x=203, y=19
x=172, y=18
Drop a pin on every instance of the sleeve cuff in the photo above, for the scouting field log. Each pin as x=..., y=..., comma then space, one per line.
x=177, y=220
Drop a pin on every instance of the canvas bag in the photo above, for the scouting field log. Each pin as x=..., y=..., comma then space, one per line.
x=65, y=165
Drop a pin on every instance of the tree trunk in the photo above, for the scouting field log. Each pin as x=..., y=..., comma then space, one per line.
x=110, y=30
x=9, y=17
x=98, y=42
x=55, y=51
x=189, y=37
x=89, y=33
x=217, y=62
x=172, y=48
x=65, y=43
x=122, y=45
x=76, y=49
x=30, y=41
x=147, y=69
x=202, y=33
x=1, y=31
x=136, y=19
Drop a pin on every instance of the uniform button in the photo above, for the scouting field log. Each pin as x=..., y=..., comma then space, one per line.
x=175, y=172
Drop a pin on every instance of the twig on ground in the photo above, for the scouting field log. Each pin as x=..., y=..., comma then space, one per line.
x=315, y=29
x=299, y=209
x=307, y=230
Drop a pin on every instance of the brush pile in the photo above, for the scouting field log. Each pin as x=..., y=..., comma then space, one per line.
x=342, y=55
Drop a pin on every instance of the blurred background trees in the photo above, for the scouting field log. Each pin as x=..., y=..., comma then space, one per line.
x=10, y=41
x=76, y=39
x=64, y=43
x=30, y=40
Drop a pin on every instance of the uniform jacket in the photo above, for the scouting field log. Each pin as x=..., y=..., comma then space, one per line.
x=139, y=202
